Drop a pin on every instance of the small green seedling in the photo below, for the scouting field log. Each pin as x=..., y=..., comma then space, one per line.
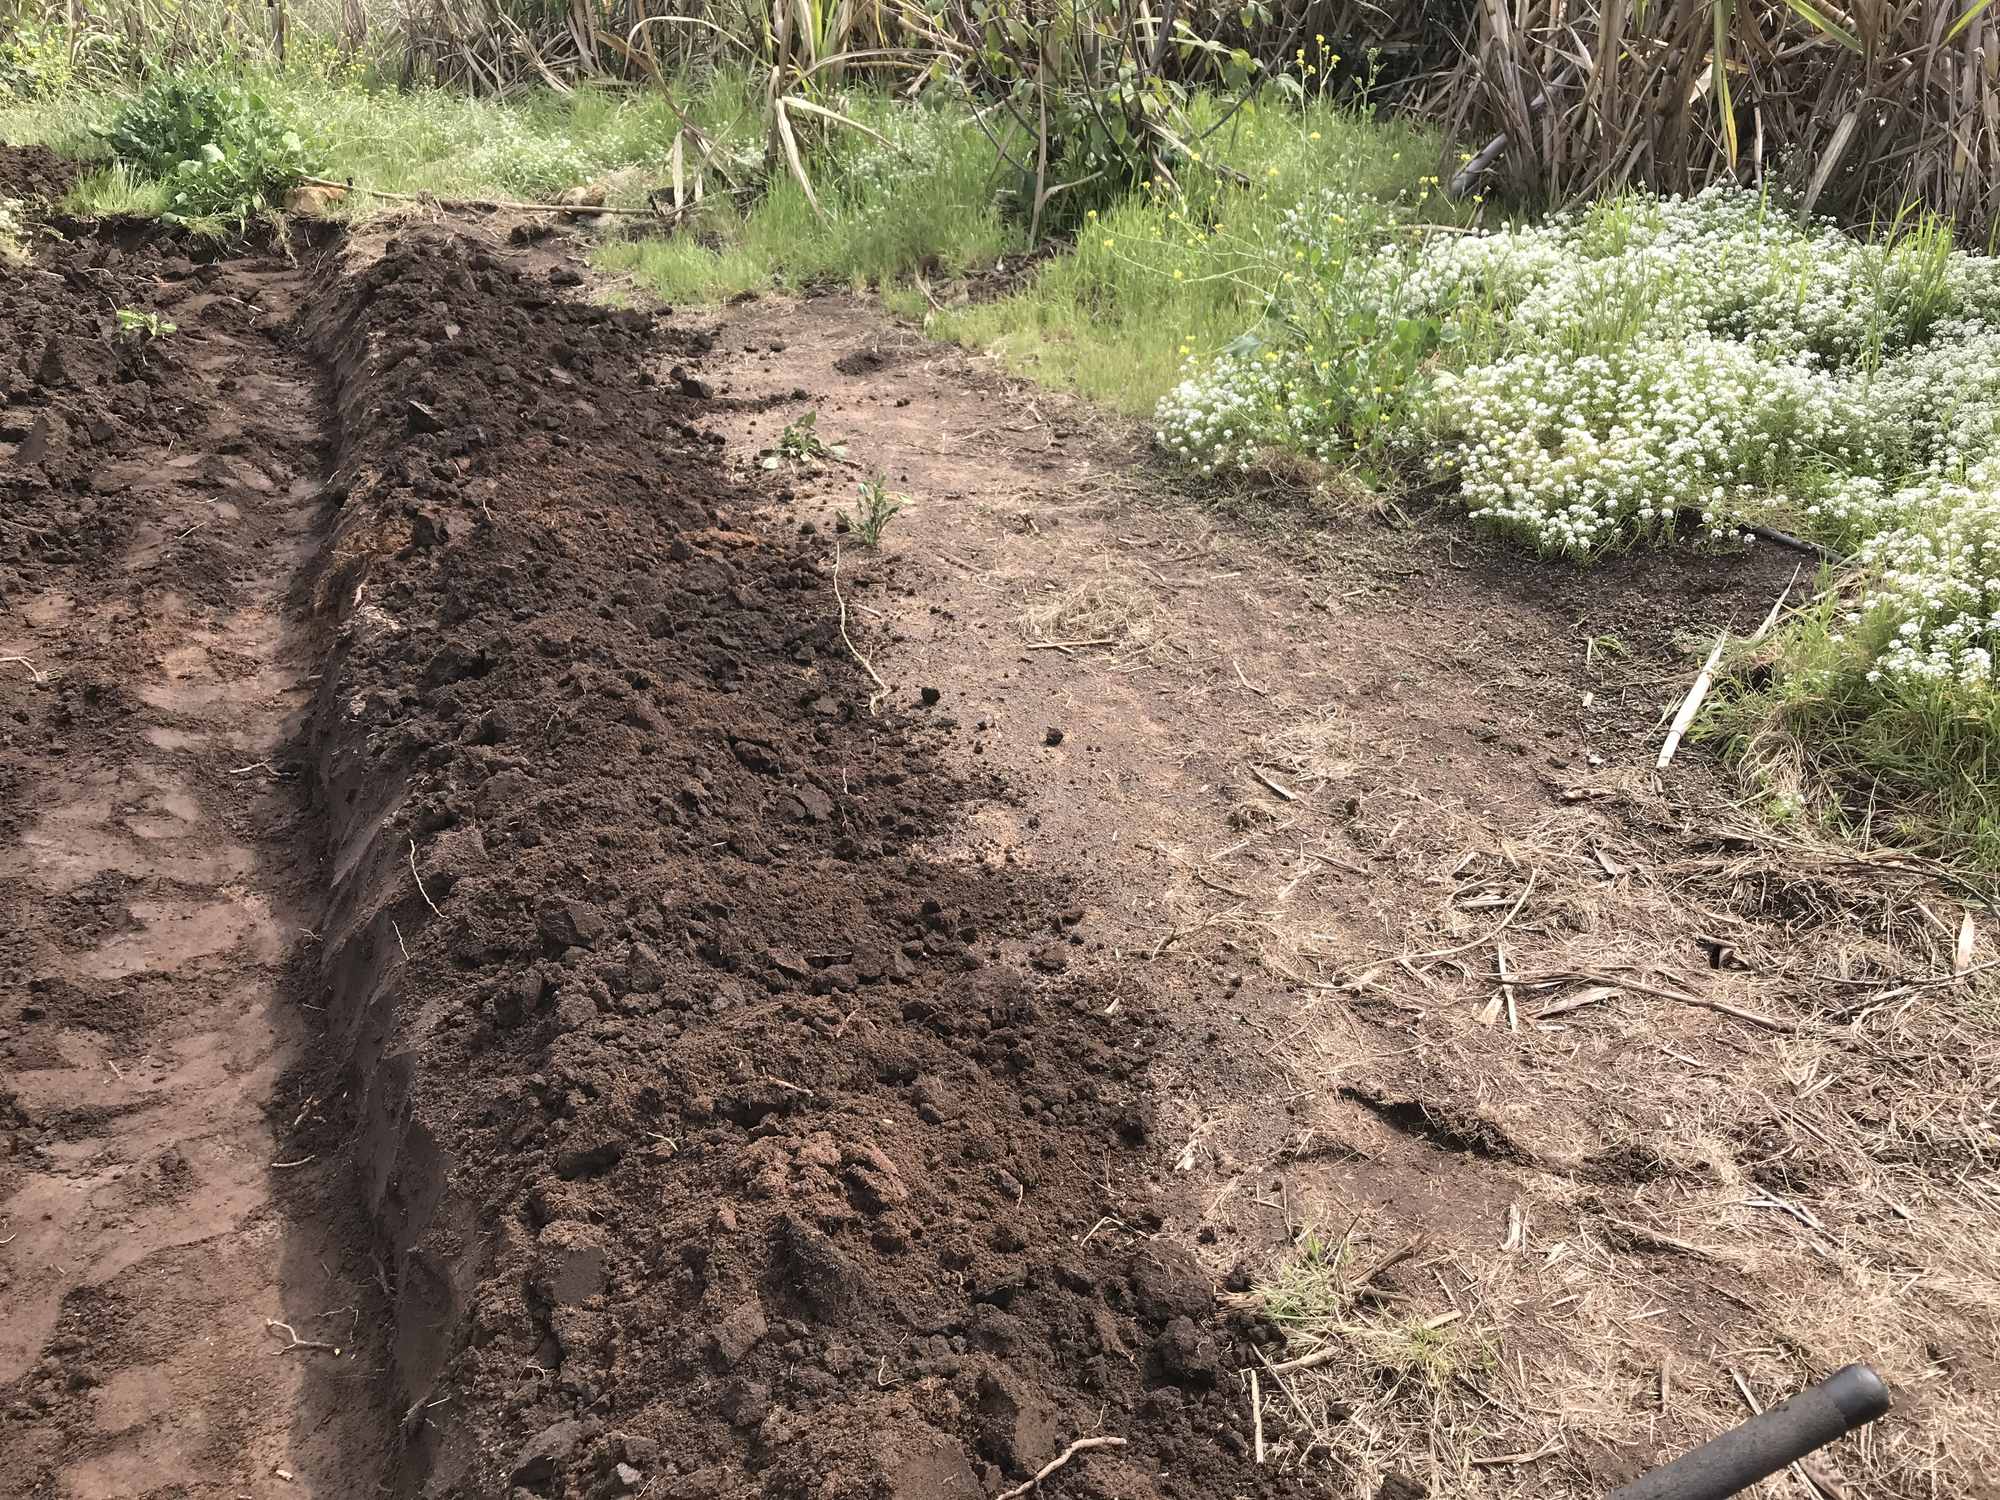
x=872, y=516
x=143, y=327
x=801, y=444
x=1604, y=645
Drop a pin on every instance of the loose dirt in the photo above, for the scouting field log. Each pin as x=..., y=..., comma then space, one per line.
x=34, y=174
x=723, y=1132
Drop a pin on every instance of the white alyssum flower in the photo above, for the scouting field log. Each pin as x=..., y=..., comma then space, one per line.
x=1651, y=369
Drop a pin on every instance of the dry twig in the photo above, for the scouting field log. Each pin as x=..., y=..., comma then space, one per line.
x=1257, y=1414
x=420, y=881
x=1691, y=704
x=1586, y=976
x=1283, y=791
x=1079, y=1446
x=1480, y=942
x=297, y=1342
x=866, y=665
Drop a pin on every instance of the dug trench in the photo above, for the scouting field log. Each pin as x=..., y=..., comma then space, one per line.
x=157, y=865
x=483, y=1014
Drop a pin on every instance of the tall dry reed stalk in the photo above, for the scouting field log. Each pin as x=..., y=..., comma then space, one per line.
x=1866, y=107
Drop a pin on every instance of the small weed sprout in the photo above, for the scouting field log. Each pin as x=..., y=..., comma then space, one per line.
x=1310, y=1293
x=877, y=508
x=143, y=327
x=1609, y=646
x=1428, y=1350
x=800, y=443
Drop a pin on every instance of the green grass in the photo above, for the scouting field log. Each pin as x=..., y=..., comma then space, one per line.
x=1184, y=272
x=1308, y=1294
x=1908, y=765
x=925, y=203
x=426, y=140
x=1165, y=276
x=1156, y=276
x=67, y=123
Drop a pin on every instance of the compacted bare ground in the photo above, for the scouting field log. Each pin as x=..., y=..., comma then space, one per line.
x=1558, y=1108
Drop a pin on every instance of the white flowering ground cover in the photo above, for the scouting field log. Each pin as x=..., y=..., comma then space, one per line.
x=1648, y=371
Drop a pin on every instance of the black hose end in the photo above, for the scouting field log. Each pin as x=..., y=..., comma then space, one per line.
x=1857, y=1393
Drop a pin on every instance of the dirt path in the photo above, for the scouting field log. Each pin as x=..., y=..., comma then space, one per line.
x=1327, y=784
x=159, y=875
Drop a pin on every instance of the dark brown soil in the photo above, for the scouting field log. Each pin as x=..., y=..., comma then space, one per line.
x=34, y=172
x=456, y=900
x=1298, y=742
x=721, y=1133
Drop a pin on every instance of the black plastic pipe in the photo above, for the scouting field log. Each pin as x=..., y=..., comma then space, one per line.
x=1845, y=1400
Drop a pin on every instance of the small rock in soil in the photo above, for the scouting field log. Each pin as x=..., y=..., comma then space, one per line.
x=570, y=924
x=748, y=1403
x=1018, y=1429
x=642, y=1451
x=821, y=1275
x=736, y=1335
x=572, y=1269
x=457, y=853
x=758, y=757
x=643, y=972
x=546, y=1452
x=1185, y=1356
x=52, y=371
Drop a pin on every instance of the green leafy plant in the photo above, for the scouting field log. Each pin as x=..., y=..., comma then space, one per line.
x=1099, y=93
x=143, y=327
x=877, y=508
x=169, y=122
x=42, y=61
x=800, y=443
x=222, y=151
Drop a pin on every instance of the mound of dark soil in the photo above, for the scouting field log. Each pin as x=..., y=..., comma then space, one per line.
x=73, y=395
x=79, y=394
x=726, y=1143
x=34, y=172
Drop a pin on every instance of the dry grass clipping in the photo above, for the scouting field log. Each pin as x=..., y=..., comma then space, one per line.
x=1103, y=611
